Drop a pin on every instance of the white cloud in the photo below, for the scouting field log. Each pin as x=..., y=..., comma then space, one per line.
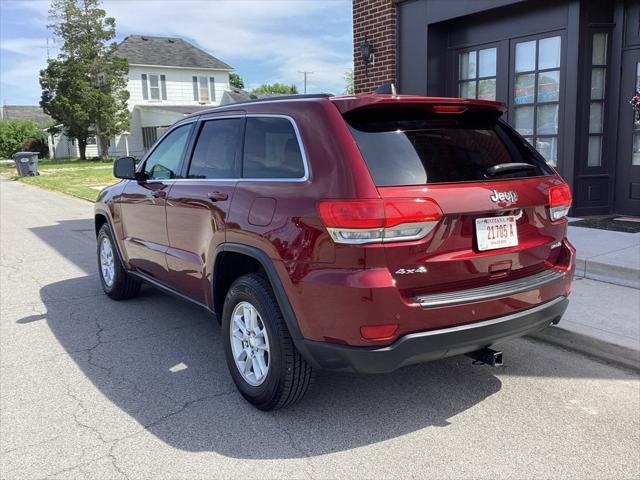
x=22, y=60
x=274, y=32
x=276, y=38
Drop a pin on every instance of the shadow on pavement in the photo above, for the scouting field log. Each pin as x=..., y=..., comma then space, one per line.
x=161, y=361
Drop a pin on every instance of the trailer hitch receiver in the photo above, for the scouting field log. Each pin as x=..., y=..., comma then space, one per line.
x=486, y=356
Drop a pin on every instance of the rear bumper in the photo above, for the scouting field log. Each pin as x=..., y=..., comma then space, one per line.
x=432, y=345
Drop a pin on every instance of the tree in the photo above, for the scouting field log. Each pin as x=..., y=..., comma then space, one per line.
x=235, y=80
x=84, y=88
x=276, y=88
x=350, y=84
x=13, y=133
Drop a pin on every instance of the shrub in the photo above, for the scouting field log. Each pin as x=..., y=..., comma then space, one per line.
x=36, y=145
x=14, y=132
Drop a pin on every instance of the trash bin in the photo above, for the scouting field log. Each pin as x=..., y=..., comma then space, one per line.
x=26, y=163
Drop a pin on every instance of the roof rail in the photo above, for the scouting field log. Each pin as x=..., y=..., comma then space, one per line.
x=275, y=98
x=283, y=97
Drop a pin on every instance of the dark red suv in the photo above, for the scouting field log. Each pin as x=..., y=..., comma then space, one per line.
x=357, y=233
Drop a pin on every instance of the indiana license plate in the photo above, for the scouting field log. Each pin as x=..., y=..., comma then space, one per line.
x=496, y=232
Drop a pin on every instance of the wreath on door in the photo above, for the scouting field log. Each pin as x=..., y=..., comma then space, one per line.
x=635, y=103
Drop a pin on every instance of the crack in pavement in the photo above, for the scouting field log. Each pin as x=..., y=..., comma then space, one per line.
x=305, y=455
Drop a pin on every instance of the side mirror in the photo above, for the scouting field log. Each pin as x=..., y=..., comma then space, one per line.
x=125, y=167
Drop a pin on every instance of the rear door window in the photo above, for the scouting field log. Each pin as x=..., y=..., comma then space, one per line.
x=414, y=147
x=271, y=149
x=216, y=152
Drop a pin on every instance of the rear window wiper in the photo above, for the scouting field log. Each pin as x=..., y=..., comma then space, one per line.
x=509, y=167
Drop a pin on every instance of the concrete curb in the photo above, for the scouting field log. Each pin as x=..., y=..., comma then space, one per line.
x=593, y=347
x=606, y=272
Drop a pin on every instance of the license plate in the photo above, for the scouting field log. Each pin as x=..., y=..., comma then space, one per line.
x=496, y=232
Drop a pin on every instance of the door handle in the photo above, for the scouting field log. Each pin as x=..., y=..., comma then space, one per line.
x=217, y=196
x=159, y=194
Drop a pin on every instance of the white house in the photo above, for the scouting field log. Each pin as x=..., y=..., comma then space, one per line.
x=168, y=79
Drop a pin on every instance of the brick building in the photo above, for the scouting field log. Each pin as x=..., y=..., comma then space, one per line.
x=566, y=69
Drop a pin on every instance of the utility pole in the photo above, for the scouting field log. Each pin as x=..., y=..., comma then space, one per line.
x=305, y=73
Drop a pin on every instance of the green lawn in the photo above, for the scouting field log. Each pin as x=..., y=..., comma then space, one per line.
x=73, y=177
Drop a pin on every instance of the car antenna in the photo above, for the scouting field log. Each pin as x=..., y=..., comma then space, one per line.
x=386, y=88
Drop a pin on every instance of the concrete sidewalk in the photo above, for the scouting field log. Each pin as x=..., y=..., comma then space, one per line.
x=612, y=257
x=603, y=320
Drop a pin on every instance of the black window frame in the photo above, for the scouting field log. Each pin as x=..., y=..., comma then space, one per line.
x=583, y=167
x=455, y=63
x=560, y=160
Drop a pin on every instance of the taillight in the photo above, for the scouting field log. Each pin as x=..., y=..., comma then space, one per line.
x=559, y=201
x=379, y=220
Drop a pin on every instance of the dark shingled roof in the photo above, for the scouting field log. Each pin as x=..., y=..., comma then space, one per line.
x=185, y=109
x=25, y=112
x=166, y=51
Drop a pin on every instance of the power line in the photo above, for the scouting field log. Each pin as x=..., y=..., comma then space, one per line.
x=305, y=73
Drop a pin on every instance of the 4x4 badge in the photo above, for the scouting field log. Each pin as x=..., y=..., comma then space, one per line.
x=408, y=271
x=509, y=196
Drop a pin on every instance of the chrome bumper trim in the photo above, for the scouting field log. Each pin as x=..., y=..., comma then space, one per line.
x=490, y=292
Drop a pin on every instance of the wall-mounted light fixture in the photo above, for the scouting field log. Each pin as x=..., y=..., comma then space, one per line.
x=366, y=53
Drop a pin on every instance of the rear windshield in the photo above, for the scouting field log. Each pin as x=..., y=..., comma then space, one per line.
x=414, y=147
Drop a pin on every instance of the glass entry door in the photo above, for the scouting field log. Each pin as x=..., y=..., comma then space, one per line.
x=535, y=92
x=627, y=194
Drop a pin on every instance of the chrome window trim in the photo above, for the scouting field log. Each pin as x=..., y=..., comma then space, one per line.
x=205, y=117
x=490, y=292
x=305, y=161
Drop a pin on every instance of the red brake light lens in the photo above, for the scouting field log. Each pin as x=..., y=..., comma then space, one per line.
x=560, y=195
x=448, y=109
x=559, y=201
x=352, y=213
x=378, y=213
x=410, y=210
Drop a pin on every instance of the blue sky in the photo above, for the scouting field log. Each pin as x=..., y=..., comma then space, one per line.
x=264, y=40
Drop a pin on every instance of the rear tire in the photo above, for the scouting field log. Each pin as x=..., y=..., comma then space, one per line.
x=115, y=280
x=288, y=376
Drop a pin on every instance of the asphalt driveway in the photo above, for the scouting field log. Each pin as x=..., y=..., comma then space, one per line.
x=92, y=388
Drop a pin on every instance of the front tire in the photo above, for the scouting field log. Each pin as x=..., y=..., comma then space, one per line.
x=115, y=281
x=262, y=359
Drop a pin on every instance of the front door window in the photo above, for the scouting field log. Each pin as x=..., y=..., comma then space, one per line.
x=163, y=162
x=536, y=94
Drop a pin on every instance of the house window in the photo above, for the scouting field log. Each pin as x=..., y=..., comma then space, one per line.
x=596, y=104
x=477, y=74
x=151, y=134
x=536, y=94
x=204, y=90
x=154, y=87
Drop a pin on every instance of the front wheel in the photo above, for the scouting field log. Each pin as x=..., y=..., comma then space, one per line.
x=115, y=280
x=262, y=359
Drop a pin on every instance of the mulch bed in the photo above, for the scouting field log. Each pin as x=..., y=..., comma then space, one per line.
x=608, y=223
